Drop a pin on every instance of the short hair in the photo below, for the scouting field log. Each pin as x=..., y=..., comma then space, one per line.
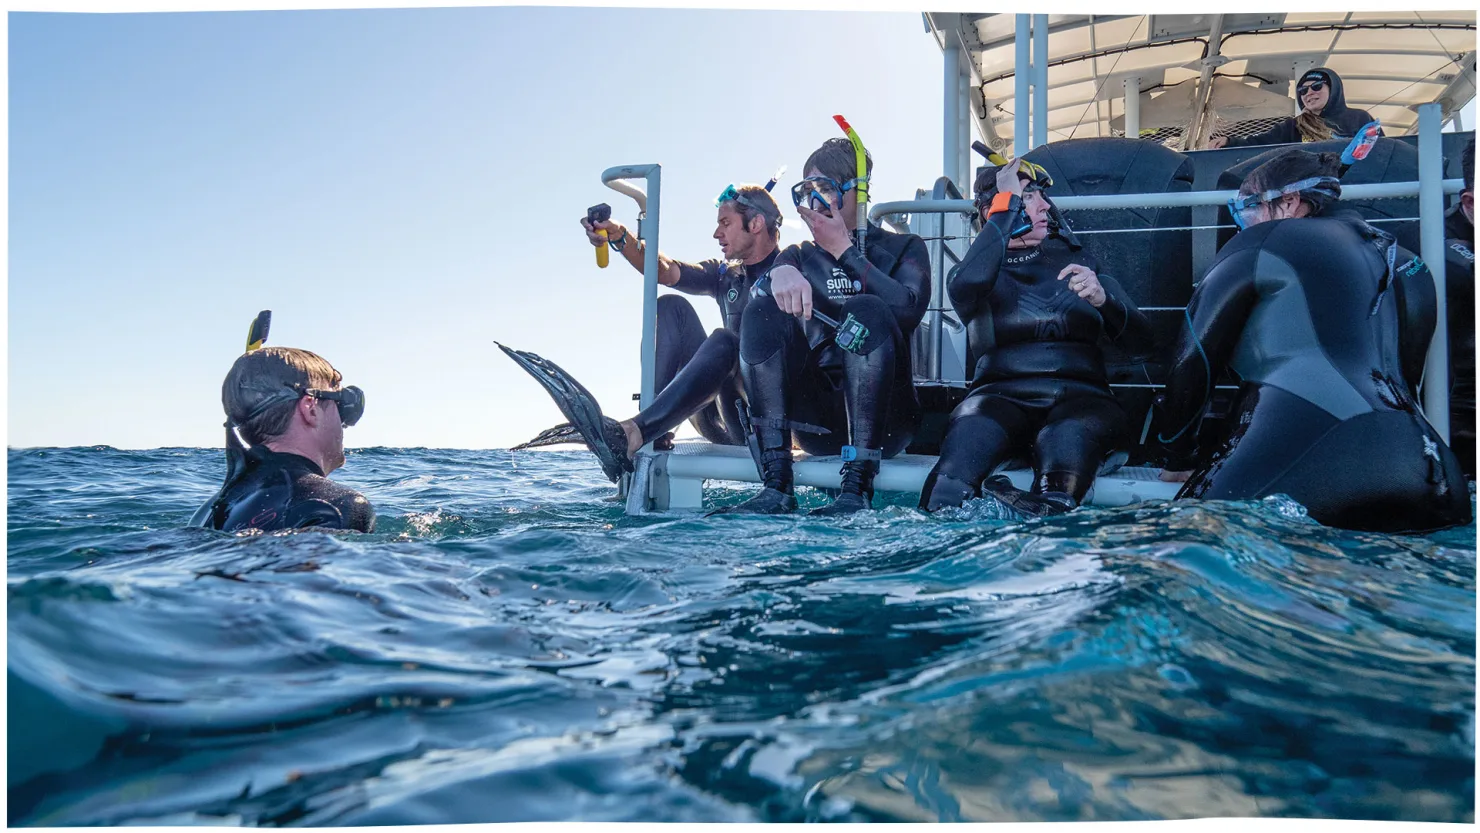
x=758, y=202
x=838, y=160
x=1467, y=160
x=252, y=394
x=1290, y=167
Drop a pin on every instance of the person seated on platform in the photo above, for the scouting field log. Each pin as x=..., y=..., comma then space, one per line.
x=1325, y=321
x=845, y=389
x=1037, y=309
x=287, y=406
x=1459, y=294
x=696, y=376
x=1323, y=115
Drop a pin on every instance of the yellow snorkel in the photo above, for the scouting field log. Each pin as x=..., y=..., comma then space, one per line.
x=257, y=333
x=861, y=181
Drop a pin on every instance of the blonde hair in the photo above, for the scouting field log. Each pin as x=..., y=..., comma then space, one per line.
x=264, y=377
x=1312, y=127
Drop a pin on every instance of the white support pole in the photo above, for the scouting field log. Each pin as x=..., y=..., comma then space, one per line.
x=1132, y=108
x=963, y=143
x=1021, y=141
x=1040, y=80
x=1431, y=239
x=951, y=117
x=647, y=230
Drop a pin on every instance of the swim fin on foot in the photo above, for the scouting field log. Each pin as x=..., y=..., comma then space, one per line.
x=602, y=434
x=559, y=435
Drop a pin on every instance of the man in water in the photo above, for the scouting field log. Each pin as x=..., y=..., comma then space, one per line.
x=290, y=411
x=697, y=376
x=1326, y=321
x=1459, y=284
x=848, y=390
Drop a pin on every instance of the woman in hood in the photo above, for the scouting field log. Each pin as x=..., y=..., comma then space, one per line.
x=1323, y=115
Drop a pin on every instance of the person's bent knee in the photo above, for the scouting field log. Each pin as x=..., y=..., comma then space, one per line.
x=764, y=330
x=875, y=317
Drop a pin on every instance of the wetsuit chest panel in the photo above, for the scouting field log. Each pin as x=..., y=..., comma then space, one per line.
x=1279, y=345
x=1030, y=303
x=734, y=289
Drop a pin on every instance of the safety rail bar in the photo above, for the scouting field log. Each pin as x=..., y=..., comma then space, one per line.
x=1186, y=199
x=1430, y=188
x=647, y=231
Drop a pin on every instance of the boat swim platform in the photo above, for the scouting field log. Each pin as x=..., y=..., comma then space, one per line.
x=674, y=480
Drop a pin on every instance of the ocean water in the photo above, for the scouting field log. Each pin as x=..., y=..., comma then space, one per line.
x=509, y=646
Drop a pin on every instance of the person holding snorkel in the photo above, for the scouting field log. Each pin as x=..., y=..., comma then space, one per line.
x=825, y=340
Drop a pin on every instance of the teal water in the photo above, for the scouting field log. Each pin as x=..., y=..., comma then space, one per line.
x=508, y=646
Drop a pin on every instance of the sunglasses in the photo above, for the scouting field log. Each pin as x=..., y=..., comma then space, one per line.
x=1314, y=86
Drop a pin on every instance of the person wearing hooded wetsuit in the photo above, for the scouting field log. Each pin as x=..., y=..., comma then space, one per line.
x=832, y=392
x=1035, y=314
x=287, y=404
x=1318, y=121
x=1325, y=321
x=1459, y=286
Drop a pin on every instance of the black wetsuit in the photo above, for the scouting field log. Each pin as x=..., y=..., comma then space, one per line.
x=1459, y=285
x=795, y=373
x=697, y=375
x=285, y=491
x=1329, y=353
x=1039, y=380
x=1344, y=121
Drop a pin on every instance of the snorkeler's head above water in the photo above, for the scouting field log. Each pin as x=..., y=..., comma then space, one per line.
x=289, y=400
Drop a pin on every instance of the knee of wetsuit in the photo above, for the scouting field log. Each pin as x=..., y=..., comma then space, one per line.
x=727, y=341
x=762, y=330
x=674, y=308
x=944, y=492
x=876, y=320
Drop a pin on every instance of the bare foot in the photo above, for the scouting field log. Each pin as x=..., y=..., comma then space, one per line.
x=634, y=437
x=1175, y=476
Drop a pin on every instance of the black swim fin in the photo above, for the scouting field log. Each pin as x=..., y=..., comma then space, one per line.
x=602, y=434
x=1031, y=504
x=559, y=435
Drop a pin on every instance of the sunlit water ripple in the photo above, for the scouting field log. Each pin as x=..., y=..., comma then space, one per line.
x=509, y=646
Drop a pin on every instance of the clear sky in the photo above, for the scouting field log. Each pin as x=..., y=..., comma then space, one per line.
x=400, y=188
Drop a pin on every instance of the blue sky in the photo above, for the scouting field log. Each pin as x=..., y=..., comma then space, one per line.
x=400, y=187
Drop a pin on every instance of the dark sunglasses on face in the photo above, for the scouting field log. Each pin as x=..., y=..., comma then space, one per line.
x=1314, y=86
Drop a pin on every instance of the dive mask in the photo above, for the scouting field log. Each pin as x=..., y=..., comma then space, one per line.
x=351, y=402
x=1244, y=208
x=731, y=193
x=821, y=193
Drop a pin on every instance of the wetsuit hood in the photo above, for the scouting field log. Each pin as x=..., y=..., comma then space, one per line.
x=1344, y=120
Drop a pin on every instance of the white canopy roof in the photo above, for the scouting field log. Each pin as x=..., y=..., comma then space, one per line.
x=1389, y=62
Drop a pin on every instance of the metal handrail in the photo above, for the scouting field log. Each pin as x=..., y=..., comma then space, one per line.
x=647, y=231
x=1184, y=199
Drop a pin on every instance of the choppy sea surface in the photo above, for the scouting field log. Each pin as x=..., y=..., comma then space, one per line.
x=508, y=646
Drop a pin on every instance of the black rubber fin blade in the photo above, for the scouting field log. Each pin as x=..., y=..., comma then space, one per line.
x=602, y=434
x=559, y=435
